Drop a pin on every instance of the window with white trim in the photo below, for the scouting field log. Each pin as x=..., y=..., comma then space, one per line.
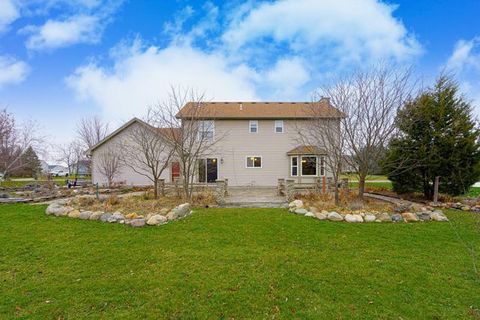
x=309, y=165
x=278, y=126
x=253, y=126
x=206, y=129
x=294, y=167
x=254, y=162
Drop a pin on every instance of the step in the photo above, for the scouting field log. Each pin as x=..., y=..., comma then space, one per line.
x=257, y=204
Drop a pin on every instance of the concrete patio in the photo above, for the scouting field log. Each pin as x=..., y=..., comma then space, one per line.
x=254, y=197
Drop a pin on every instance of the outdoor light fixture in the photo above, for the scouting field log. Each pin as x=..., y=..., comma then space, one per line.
x=221, y=160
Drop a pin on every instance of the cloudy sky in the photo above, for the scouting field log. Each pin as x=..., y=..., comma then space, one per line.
x=61, y=60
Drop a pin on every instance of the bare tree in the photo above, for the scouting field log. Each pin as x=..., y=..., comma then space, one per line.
x=326, y=135
x=71, y=154
x=15, y=139
x=370, y=99
x=147, y=150
x=185, y=112
x=90, y=131
x=110, y=164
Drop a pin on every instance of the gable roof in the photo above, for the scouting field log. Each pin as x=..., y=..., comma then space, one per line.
x=260, y=110
x=300, y=150
x=162, y=131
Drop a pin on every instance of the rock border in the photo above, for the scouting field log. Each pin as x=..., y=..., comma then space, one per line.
x=402, y=214
x=62, y=208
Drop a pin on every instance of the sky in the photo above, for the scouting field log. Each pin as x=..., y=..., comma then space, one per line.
x=61, y=60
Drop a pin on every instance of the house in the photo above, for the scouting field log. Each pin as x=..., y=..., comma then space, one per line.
x=82, y=168
x=258, y=143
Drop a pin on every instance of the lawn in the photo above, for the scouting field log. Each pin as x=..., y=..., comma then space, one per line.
x=236, y=263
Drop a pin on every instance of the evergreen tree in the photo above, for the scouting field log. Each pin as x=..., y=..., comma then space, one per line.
x=31, y=165
x=437, y=136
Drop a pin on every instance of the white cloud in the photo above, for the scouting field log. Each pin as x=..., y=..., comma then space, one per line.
x=56, y=34
x=8, y=13
x=465, y=55
x=12, y=71
x=355, y=29
x=143, y=77
x=287, y=77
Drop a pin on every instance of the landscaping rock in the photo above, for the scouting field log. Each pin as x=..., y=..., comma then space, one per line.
x=438, y=216
x=85, y=215
x=313, y=209
x=137, y=223
x=95, y=215
x=353, y=218
x=383, y=217
x=334, y=216
x=133, y=215
x=164, y=211
x=321, y=216
x=310, y=214
x=104, y=217
x=466, y=208
x=296, y=204
x=369, y=217
x=74, y=214
x=409, y=217
x=182, y=210
x=171, y=215
x=424, y=216
x=117, y=217
x=404, y=207
x=58, y=210
x=301, y=211
x=397, y=217
x=156, y=220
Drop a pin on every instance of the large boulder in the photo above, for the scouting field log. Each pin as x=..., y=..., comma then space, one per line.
x=424, y=216
x=310, y=215
x=369, y=217
x=301, y=211
x=58, y=209
x=105, y=217
x=334, y=216
x=438, y=216
x=95, y=215
x=137, y=223
x=410, y=217
x=156, y=220
x=384, y=217
x=74, y=214
x=85, y=215
x=397, y=217
x=116, y=217
x=353, y=218
x=296, y=204
x=180, y=211
x=321, y=215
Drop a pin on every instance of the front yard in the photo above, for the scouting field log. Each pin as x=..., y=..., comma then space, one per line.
x=237, y=263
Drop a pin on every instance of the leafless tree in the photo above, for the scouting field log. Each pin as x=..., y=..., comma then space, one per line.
x=191, y=131
x=72, y=154
x=90, y=131
x=109, y=165
x=370, y=99
x=15, y=139
x=147, y=150
x=324, y=133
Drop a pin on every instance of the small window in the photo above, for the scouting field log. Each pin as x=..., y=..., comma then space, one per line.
x=278, y=126
x=294, y=166
x=253, y=126
x=309, y=166
x=254, y=162
x=206, y=129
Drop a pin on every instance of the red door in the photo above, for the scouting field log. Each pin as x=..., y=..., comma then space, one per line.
x=175, y=170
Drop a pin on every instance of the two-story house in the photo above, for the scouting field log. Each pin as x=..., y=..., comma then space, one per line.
x=255, y=143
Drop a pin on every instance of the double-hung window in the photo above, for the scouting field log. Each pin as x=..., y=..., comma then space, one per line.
x=309, y=165
x=254, y=162
x=294, y=172
x=253, y=126
x=278, y=126
x=206, y=129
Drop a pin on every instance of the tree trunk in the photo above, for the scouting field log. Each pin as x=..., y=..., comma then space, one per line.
x=155, y=188
x=361, y=186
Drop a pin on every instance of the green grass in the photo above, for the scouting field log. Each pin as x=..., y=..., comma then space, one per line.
x=236, y=263
x=474, y=192
x=373, y=185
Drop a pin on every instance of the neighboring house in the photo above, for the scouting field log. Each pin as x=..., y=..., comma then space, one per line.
x=257, y=143
x=58, y=171
x=82, y=168
x=45, y=167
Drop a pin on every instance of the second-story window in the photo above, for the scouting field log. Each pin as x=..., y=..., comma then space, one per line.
x=253, y=126
x=206, y=129
x=278, y=126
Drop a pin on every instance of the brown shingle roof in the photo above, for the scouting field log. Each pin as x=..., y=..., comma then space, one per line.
x=260, y=110
x=305, y=150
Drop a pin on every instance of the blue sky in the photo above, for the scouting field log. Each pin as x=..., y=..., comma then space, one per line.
x=61, y=60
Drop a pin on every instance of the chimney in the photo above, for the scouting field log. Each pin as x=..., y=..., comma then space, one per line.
x=325, y=100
